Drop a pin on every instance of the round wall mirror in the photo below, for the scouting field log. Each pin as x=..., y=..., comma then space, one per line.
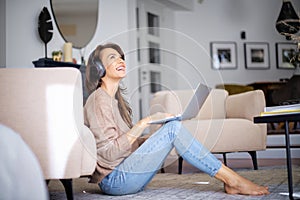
x=76, y=20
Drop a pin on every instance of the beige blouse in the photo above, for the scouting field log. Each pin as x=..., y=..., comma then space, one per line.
x=102, y=116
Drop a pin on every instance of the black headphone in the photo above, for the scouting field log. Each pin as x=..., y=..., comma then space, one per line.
x=97, y=70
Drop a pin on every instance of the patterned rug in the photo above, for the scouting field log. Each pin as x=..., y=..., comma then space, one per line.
x=188, y=186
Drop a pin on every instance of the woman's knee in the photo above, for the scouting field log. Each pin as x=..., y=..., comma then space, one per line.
x=172, y=128
x=175, y=125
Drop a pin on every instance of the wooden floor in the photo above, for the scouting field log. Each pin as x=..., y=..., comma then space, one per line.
x=234, y=164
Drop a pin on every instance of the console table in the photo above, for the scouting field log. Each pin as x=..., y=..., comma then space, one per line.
x=286, y=118
x=48, y=62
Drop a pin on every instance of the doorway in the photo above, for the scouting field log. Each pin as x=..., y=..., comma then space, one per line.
x=149, y=41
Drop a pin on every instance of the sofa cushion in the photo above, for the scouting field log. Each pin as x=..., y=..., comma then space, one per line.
x=172, y=102
x=217, y=135
x=214, y=106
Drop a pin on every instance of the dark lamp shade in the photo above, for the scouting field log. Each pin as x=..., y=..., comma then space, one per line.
x=288, y=20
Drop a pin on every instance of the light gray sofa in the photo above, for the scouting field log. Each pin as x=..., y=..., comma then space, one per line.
x=224, y=124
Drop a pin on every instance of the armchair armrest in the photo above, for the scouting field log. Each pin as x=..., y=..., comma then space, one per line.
x=245, y=105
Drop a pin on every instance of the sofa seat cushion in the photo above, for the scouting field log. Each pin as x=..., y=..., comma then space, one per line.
x=217, y=134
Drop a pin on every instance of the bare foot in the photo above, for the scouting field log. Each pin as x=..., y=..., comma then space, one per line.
x=236, y=184
x=246, y=187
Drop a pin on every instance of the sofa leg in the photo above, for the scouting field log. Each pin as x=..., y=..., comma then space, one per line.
x=180, y=161
x=254, y=159
x=68, y=187
x=224, y=159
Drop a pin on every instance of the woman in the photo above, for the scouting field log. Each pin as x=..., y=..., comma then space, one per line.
x=124, y=165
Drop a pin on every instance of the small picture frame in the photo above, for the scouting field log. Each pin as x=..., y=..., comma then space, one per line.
x=223, y=55
x=257, y=55
x=284, y=53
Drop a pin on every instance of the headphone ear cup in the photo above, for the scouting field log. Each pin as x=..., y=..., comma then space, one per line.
x=96, y=69
x=94, y=73
x=100, y=68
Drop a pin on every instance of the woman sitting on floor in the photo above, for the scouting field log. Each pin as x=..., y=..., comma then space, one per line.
x=125, y=166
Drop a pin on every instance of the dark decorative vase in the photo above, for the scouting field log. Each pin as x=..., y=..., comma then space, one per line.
x=288, y=21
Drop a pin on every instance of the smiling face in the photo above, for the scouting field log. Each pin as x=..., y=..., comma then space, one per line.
x=114, y=65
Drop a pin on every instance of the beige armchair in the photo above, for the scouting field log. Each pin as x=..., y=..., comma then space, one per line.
x=225, y=122
x=45, y=106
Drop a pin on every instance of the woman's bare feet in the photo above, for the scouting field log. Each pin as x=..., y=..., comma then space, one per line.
x=236, y=184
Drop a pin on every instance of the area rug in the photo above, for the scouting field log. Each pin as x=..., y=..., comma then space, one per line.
x=187, y=186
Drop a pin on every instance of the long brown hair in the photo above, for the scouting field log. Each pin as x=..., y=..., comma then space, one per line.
x=93, y=81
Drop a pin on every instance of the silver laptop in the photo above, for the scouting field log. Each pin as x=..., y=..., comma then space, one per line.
x=191, y=110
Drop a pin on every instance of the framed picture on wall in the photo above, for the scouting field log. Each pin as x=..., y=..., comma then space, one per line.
x=257, y=55
x=223, y=55
x=284, y=53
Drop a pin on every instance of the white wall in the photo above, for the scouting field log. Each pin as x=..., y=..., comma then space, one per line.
x=216, y=20
x=24, y=44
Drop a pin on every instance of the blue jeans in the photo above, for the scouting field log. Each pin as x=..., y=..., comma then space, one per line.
x=137, y=170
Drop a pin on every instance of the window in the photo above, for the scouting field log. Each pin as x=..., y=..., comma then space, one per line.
x=155, y=81
x=153, y=24
x=154, y=53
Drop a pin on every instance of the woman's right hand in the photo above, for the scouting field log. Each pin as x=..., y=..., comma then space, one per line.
x=159, y=116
